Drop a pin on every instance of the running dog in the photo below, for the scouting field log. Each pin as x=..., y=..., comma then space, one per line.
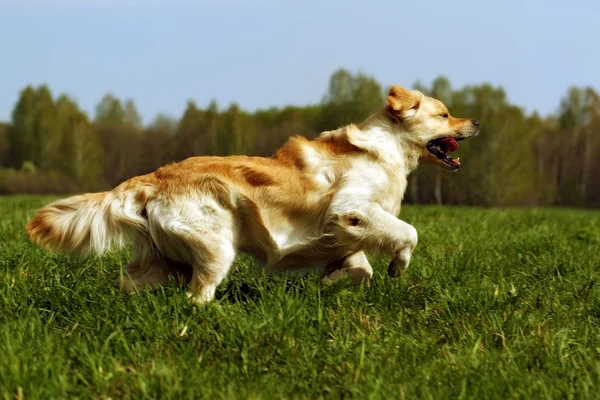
x=315, y=203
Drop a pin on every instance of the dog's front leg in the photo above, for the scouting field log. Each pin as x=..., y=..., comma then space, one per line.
x=374, y=228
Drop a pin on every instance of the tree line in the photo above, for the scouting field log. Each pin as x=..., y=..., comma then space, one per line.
x=52, y=146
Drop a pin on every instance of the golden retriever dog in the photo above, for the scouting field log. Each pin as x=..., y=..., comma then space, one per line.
x=315, y=203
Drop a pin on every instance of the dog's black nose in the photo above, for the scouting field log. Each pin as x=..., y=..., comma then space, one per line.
x=475, y=122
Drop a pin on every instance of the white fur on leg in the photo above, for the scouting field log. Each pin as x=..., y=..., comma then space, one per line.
x=208, y=275
x=399, y=264
x=334, y=277
x=355, y=266
x=205, y=295
x=199, y=233
x=401, y=260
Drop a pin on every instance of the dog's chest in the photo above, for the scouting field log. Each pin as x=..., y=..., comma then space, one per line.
x=392, y=196
x=387, y=187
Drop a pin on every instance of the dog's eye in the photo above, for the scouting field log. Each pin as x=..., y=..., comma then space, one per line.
x=444, y=115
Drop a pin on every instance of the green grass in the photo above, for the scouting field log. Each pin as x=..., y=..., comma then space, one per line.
x=496, y=304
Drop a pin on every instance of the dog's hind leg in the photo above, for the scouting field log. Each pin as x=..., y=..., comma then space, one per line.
x=200, y=233
x=210, y=268
x=150, y=269
x=356, y=266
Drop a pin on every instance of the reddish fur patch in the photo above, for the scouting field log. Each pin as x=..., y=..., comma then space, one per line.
x=336, y=145
x=257, y=178
x=40, y=231
x=291, y=153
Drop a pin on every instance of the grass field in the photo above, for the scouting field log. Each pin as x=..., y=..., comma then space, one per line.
x=496, y=304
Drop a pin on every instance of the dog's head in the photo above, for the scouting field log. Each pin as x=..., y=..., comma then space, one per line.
x=427, y=127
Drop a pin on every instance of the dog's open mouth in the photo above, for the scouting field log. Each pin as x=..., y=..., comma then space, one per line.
x=441, y=148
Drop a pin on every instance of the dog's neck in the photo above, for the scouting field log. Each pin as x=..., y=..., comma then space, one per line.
x=386, y=136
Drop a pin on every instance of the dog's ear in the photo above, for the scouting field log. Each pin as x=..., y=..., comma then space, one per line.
x=401, y=100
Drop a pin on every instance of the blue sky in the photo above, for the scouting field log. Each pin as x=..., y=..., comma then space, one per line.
x=272, y=53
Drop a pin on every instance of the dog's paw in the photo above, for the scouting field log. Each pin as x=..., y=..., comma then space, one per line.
x=356, y=276
x=396, y=268
x=200, y=298
x=334, y=277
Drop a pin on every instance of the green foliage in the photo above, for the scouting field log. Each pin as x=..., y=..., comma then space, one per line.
x=349, y=99
x=28, y=167
x=497, y=303
x=517, y=159
x=29, y=180
x=237, y=132
x=578, y=126
x=119, y=133
x=589, y=234
x=131, y=117
x=4, y=144
x=81, y=154
x=157, y=147
x=25, y=140
x=109, y=111
x=189, y=137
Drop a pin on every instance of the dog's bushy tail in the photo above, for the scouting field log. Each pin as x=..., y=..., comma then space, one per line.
x=90, y=223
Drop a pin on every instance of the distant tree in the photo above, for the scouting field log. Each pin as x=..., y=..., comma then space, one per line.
x=578, y=122
x=118, y=131
x=131, y=116
x=275, y=126
x=47, y=129
x=212, y=124
x=350, y=98
x=164, y=123
x=4, y=144
x=79, y=149
x=237, y=132
x=157, y=147
x=499, y=166
x=190, y=136
x=34, y=134
x=517, y=159
x=341, y=88
x=442, y=90
x=110, y=111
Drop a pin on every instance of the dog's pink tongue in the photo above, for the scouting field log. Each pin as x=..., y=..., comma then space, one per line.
x=450, y=145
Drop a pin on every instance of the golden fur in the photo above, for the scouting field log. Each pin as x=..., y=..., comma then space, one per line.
x=319, y=203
